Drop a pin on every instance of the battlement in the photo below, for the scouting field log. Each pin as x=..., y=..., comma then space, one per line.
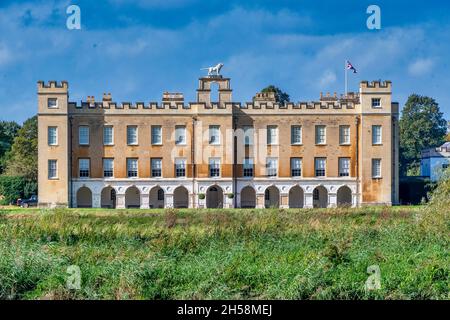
x=53, y=85
x=264, y=96
x=172, y=96
x=376, y=84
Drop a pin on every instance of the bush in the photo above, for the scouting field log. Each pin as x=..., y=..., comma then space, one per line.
x=12, y=188
x=201, y=196
x=230, y=195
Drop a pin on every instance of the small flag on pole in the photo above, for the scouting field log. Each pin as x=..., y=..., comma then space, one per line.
x=351, y=67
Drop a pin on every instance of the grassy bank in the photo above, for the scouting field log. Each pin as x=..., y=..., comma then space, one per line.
x=220, y=254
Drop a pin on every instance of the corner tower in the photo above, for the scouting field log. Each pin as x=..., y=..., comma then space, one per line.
x=53, y=144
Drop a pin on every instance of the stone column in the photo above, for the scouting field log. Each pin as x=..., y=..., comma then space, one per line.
x=332, y=200
x=284, y=201
x=168, y=200
x=309, y=200
x=260, y=201
x=120, y=201
x=145, y=200
x=96, y=200
x=354, y=200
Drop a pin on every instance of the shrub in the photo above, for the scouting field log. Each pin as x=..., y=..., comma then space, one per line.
x=231, y=195
x=201, y=196
x=12, y=188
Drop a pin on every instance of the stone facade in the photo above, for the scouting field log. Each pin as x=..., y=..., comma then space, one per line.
x=307, y=154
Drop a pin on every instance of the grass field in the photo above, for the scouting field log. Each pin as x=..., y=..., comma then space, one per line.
x=224, y=254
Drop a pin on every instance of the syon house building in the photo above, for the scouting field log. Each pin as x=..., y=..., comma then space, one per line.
x=208, y=154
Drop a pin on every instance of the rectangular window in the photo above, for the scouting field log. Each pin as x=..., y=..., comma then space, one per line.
x=296, y=167
x=214, y=167
x=248, y=135
x=296, y=135
x=344, y=167
x=180, y=168
x=83, y=167
x=376, y=135
x=52, y=136
x=320, y=166
x=108, y=168
x=132, y=168
x=156, y=164
x=376, y=168
x=214, y=134
x=344, y=134
x=52, y=169
x=83, y=135
x=156, y=135
x=320, y=134
x=180, y=135
x=248, y=167
x=108, y=135
x=52, y=103
x=272, y=167
x=272, y=135
x=376, y=103
x=132, y=135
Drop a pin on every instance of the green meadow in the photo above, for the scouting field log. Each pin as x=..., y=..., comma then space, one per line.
x=225, y=254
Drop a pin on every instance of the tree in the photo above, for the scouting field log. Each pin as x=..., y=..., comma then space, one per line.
x=280, y=96
x=22, y=159
x=421, y=126
x=8, y=130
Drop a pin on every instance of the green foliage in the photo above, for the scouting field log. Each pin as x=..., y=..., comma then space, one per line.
x=230, y=195
x=12, y=188
x=201, y=196
x=8, y=130
x=421, y=126
x=221, y=254
x=22, y=159
x=280, y=96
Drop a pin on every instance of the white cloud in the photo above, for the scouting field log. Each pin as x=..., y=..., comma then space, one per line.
x=328, y=78
x=5, y=55
x=421, y=67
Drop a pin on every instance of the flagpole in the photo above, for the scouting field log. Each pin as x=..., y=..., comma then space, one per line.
x=346, y=78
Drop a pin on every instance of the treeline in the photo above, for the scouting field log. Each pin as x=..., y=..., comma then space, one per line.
x=18, y=160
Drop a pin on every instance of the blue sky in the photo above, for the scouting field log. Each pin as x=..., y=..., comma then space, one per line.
x=137, y=49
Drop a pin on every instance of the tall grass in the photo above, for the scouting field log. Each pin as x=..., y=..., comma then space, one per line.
x=222, y=254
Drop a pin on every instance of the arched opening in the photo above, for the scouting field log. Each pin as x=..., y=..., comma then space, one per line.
x=320, y=197
x=156, y=197
x=344, y=197
x=296, y=197
x=214, y=93
x=108, y=198
x=84, y=198
x=132, y=198
x=181, y=198
x=248, y=197
x=272, y=197
x=214, y=197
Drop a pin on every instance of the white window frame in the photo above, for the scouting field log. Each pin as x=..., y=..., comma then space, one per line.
x=272, y=135
x=376, y=168
x=344, y=167
x=375, y=136
x=50, y=169
x=318, y=166
x=105, y=129
x=130, y=135
x=131, y=168
x=84, y=165
x=51, y=136
x=248, y=167
x=321, y=134
x=156, y=166
x=180, y=132
x=344, y=135
x=214, y=134
x=50, y=105
x=272, y=167
x=82, y=136
x=296, y=164
x=376, y=105
x=110, y=169
x=180, y=166
x=296, y=138
x=214, y=164
x=156, y=132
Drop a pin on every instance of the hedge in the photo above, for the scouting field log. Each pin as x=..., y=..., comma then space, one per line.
x=14, y=187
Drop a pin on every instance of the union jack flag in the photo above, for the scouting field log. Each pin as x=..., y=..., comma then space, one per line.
x=351, y=67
